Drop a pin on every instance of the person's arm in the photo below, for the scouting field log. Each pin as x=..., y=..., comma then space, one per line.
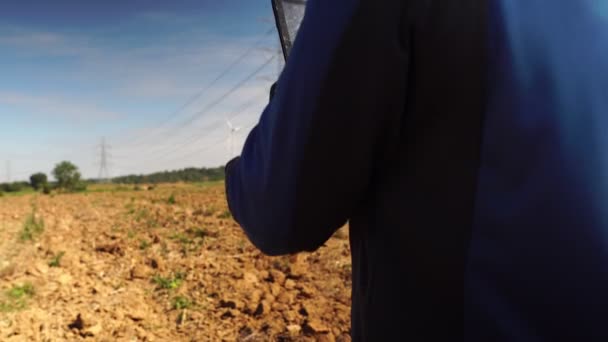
x=309, y=162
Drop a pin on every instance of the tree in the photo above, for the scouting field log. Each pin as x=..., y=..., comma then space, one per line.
x=67, y=176
x=38, y=180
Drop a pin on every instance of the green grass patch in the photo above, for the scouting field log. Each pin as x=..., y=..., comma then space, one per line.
x=32, y=227
x=191, y=241
x=200, y=233
x=16, y=297
x=181, y=238
x=20, y=292
x=142, y=214
x=25, y=191
x=130, y=207
x=208, y=184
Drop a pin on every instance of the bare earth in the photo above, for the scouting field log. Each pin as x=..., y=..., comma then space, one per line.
x=142, y=266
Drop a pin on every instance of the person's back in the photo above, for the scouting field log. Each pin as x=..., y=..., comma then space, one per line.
x=538, y=262
x=467, y=145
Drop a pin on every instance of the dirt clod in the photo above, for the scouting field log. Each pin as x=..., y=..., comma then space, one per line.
x=139, y=272
x=77, y=324
x=315, y=326
x=111, y=249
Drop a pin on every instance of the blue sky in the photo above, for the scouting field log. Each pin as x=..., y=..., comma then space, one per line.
x=72, y=72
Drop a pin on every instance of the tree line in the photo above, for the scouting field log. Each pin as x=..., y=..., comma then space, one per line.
x=191, y=174
x=68, y=179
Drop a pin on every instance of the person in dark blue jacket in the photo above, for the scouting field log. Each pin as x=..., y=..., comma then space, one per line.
x=466, y=143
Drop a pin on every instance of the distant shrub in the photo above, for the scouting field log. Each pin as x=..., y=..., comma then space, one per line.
x=14, y=187
x=171, y=199
x=46, y=189
x=80, y=186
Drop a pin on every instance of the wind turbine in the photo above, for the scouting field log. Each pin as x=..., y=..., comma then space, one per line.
x=233, y=130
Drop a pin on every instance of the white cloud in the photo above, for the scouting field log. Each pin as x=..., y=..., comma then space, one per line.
x=47, y=43
x=53, y=107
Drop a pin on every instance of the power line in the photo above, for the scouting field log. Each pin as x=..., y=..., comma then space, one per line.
x=198, y=138
x=193, y=139
x=212, y=105
x=232, y=90
x=200, y=93
x=206, y=148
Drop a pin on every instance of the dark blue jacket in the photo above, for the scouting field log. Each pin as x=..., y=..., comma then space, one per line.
x=466, y=143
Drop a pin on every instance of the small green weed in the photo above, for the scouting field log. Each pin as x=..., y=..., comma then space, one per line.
x=242, y=244
x=32, y=227
x=200, y=233
x=226, y=214
x=19, y=292
x=190, y=242
x=168, y=283
x=142, y=214
x=56, y=260
x=181, y=238
x=208, y=211
x=130, y=208
x=144, y=244
x=164, y=249
x=171, y=199
x=181, y=303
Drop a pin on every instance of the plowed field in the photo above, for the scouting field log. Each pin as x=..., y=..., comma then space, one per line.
x=159, y=264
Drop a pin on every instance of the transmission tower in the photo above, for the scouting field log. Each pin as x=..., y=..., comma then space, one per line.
x=104, y=173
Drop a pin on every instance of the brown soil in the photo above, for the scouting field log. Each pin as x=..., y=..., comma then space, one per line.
x=136, y=267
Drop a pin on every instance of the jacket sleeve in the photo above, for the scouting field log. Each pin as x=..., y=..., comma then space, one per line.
x=309, y=162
